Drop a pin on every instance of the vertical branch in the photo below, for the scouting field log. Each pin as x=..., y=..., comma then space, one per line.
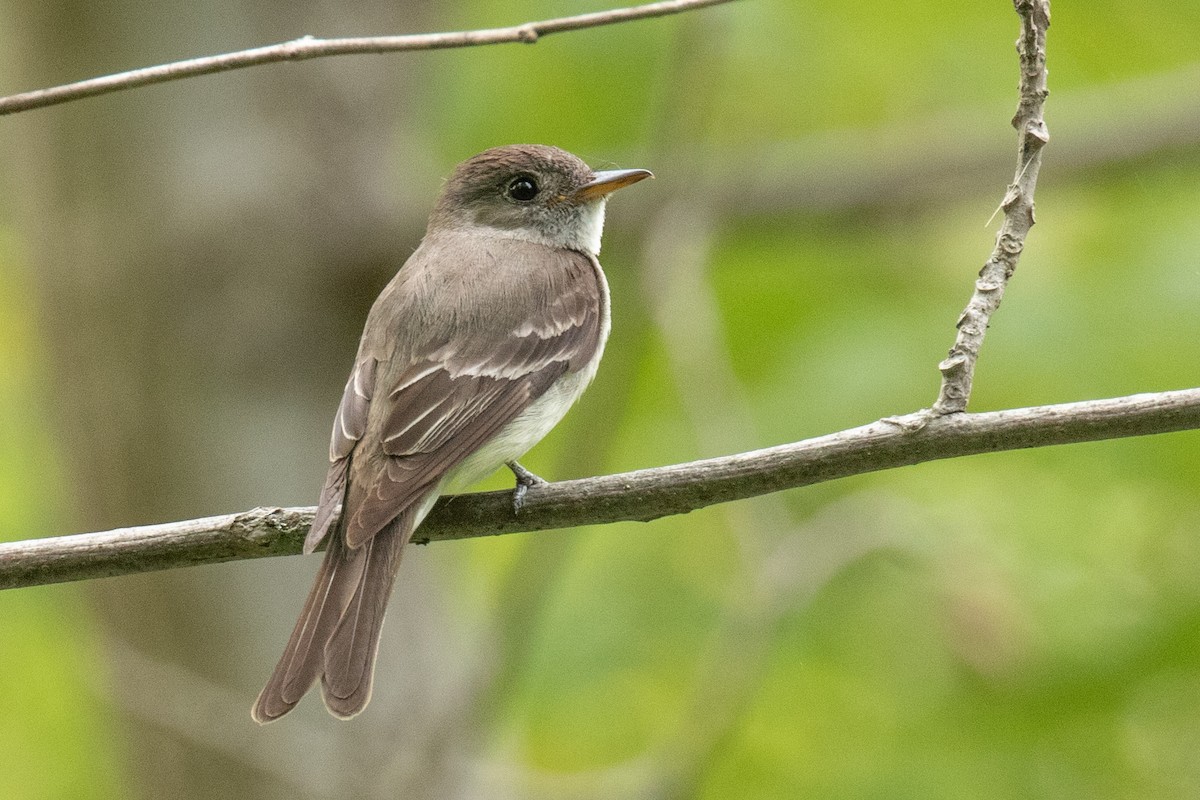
x=958, y=369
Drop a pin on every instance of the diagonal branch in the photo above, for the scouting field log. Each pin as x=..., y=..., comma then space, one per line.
x=310, y=47
x=958, y=369
x=632, y=496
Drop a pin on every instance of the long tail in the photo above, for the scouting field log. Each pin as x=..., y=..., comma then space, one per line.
x=337, y=635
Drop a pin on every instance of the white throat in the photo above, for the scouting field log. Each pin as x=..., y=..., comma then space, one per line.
x=592, y=226
x=580, y=231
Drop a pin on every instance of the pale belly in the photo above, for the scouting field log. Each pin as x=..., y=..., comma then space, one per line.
x=524, y=432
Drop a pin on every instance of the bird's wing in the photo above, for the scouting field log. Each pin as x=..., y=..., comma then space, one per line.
x=397, y=435
x=349, y=425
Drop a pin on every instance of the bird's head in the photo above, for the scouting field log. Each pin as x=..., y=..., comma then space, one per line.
x=531, y=192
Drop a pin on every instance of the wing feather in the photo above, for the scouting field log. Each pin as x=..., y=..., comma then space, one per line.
x=460, y=386
x=349, y=425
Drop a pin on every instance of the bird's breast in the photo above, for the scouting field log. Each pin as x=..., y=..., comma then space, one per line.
x=532, y=425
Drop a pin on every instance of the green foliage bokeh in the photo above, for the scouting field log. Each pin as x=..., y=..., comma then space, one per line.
x=1023, y=624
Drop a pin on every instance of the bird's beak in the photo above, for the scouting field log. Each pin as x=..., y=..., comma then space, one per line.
x=607, y=181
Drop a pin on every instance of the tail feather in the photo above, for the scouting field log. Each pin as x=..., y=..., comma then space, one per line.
x=337, y=635
x=349, y=655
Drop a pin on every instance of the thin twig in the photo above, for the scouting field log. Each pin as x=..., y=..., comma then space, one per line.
x=958, y=369
x=310, y=47
x=632, y=496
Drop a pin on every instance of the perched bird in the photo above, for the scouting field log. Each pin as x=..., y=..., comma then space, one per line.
x=471, y=354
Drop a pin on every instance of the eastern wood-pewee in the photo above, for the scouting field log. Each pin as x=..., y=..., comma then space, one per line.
x=472, y=353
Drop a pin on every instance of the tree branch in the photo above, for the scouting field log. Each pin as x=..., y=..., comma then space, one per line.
x=310, y=47
x=958, y=369
x=632, y=496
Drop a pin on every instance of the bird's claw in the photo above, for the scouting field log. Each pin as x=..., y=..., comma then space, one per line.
x=525, y=479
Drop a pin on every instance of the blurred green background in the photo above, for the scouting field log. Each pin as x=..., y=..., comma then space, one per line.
x=186, y=269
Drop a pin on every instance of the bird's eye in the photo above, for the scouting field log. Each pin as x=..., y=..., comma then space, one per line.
x=523, y=189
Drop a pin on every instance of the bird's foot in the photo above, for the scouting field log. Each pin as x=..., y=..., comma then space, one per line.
x=525, y=479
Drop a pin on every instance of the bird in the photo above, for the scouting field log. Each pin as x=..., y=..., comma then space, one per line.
x=474, y=350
